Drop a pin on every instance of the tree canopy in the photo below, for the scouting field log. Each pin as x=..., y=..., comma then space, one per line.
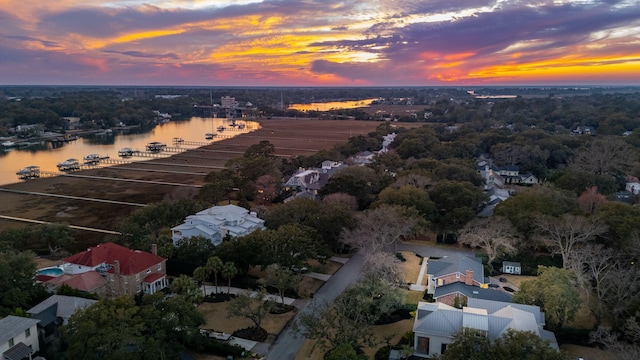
x=120, y=328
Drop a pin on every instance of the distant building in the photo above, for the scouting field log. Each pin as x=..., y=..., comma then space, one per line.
x=633, y=187
x=228, y=102
x=584, y=130
x=308, y=182
x=217, y=222
x=511, y=267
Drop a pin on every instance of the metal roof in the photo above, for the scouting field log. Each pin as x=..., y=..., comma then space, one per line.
x=12, y=326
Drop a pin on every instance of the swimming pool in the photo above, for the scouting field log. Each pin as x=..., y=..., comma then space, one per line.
x=50, y=271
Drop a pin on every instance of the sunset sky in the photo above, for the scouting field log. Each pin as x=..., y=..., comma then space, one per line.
x=320, y=42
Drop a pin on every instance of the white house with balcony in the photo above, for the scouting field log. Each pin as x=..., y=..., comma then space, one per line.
x=18, y=337
x=216, y=222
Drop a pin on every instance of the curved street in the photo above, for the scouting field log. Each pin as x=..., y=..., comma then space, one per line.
x=287, y=345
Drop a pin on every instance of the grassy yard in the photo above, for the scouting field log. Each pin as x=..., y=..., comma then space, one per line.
x=215, y=315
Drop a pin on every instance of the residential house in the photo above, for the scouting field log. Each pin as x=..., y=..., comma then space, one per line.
x=511, y=267
x=123, y=271
x=363, y=158
x=18, y=337
x=55, y=312
x=436, y=324
x=88, y=282
x=453, y=269
x=501, y=176
x=216, y=222
x=458, y=293
x=584, y=130
x=308, y=182
x=633, y=187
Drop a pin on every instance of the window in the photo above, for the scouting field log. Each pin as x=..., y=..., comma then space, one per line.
x=27, y=332
x=11, y=343
x=148, y=271
x=423, y=345
x=160, y=267
x=443, y=348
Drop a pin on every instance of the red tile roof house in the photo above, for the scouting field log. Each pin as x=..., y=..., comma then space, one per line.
x=112, y=270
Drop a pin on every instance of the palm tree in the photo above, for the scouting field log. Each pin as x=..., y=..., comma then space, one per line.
x=229, y=271
x=201, y=274
x=214, y=265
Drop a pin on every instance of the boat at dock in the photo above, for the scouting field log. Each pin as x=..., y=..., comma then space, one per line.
x=125, y=152
x=94, y=158
x=29, y=172
x=69, y=164
x=156, y=146
x=209, y=136
x=8, y=144
x=63, y=139
x=221, y=128
x=178, y=140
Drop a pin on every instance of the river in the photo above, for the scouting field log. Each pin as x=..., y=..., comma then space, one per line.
x=332, y=105
x=47, y=155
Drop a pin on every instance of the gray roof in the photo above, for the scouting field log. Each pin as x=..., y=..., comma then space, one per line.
x=495, y=317
x=231, y=218
x=458, y=263
x=18, y=351
x=494, y=306
x=63, y=306
x=472, y=292
x=12, y=326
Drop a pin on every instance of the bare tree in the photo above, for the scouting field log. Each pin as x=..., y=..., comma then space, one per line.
x=616, y=348
x=282, y=279
x=384, y=267
x=562, y=235
x=623, y=282
x=419, y=181
x=603, y=156
x=593, y=264
x=590, y=200
x=495, y=236
x=348, y=201
x=378, y=228
x=250, y=305
x=266, y=188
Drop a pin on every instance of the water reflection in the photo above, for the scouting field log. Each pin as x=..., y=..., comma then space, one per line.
x=332, y=105
x=48, y=154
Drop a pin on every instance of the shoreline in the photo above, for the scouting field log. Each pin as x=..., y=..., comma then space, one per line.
x=290, y=137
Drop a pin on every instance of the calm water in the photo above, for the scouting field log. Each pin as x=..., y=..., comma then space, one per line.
x=334, y=105
x=48, y=155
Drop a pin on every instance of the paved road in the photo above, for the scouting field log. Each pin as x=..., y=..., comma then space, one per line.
x=287, y=346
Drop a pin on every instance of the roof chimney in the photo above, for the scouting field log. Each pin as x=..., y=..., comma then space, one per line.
x=468, y=278
x=154, y=249
x=116, y=267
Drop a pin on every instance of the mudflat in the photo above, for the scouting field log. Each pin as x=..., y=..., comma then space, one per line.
x=176, y=176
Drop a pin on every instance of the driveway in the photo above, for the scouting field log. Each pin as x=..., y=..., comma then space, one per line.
x=287, y=346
